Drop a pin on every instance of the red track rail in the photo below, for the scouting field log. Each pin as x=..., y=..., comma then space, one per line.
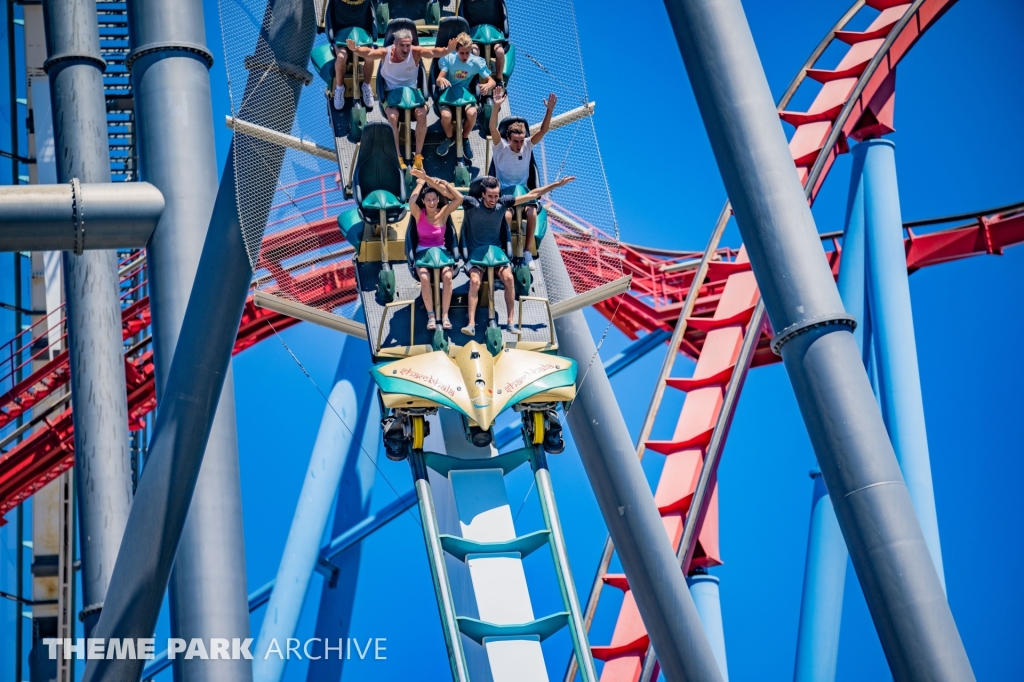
x=654, y=303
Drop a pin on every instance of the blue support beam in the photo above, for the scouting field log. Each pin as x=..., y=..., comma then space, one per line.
x=336, y=450
x=346, y=540
x=821, y=608
x=893, y=329
x=821, y=605
x=707, y=598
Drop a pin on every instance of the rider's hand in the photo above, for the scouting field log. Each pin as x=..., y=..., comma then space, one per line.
x=452, y=45
x=443, y=82
x=551, y=101
x=566, y=180
x=351, y=44
x=486, y=87
x=499, y=98
x=418, y=173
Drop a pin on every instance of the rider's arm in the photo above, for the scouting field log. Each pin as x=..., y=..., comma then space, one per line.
x=495, y=133
x=454, y=197
x=414, y=207
x=539, y=135
x=535, y=194
x=365, y=51
x=437, y=50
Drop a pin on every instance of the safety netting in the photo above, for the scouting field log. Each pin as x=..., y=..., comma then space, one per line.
x=291, y=186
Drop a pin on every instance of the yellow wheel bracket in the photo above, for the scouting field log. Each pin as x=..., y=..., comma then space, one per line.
x=538, y=428
x=417, y=433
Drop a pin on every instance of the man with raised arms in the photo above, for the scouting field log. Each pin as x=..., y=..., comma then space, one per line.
x=399, y=67
x=483, y=224
x=513, y=156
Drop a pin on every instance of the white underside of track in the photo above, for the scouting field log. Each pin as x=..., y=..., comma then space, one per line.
x=474, y=505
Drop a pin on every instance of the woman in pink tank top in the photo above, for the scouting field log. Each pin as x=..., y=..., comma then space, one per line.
x=431, y=204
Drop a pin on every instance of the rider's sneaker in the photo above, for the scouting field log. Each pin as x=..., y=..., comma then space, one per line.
x=368, y=96
x=469, y=330
x=445, y=145
x=417, y=162
x=528, y=259
x=511, y=328
x=339, y=97
x=467, y=151
x=401, y=163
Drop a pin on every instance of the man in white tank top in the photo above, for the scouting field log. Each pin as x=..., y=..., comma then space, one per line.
x=399, y=67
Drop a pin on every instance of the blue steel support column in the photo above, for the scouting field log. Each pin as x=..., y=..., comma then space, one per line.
x=821, y=608
x=893, y=328
x=200, y=365
x=102, y=462
x=813, y=336
x=169, y=66
x=337, y=600
x=336, y=450
x=708, y=600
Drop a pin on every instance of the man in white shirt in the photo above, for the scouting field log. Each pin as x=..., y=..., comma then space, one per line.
x=400, y=63
x=513, y=156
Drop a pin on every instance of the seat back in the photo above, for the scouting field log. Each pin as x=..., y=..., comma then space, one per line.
x=446, y=30
x=491, y=12
x=377, y=168
x=332, y=30
x=397, y=25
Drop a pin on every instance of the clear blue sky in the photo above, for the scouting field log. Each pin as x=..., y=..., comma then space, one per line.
x=959, y=98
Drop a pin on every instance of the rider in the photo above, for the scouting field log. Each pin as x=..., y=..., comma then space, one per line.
x=460, y=68
x=491, y=12
x=350, y=14
x=482, y=225
x=432, y=203
x=399, y=66
x=512, y=159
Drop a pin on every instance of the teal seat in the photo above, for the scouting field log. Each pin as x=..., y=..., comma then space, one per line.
x=542, y=225
x=405, y=98
x=510, y=62
x=435, y=258
x=323, y=60
x=488, y=257
x=351, y=225
x=516, y=191
x=381, y=200
x=456, y=96
x=356, y=34
x=485, y=34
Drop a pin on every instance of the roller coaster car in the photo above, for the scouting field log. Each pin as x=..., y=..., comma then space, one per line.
x=381, y=203
x=404, y=99
x=477, y=385
x=489, y=29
